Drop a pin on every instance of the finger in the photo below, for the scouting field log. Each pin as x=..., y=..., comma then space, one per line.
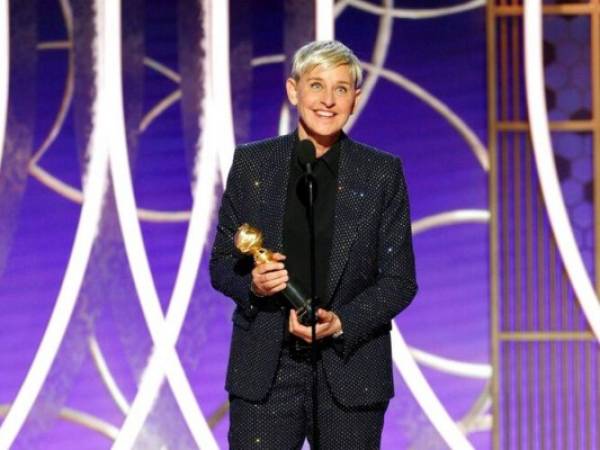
x=268, y=267
x=260, y=278
x=266, y=284
x=305, y=337
x=270, y=284
x=292, y=320
x=275, y=288
x=279, y=256
x=324, y=316
x=298, y=329
x=262, y=291
x=270, y=276
x=323, y=330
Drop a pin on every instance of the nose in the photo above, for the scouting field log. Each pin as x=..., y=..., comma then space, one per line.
x=328, y=98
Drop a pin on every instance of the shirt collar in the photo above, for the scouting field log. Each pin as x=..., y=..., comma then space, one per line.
x=331, y=158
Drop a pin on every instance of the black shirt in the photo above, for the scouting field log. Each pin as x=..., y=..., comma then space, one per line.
x=296, y=238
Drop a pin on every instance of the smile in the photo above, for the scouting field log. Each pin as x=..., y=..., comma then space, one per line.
x=324, y=113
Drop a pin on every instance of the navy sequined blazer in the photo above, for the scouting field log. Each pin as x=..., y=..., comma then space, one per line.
x=371, y=268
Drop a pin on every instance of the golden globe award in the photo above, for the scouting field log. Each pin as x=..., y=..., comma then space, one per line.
x=249, y=241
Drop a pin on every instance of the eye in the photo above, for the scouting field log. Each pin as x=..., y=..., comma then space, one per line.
x=341, y=90
x=316, y=86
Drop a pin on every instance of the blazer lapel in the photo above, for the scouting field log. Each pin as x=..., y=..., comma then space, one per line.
x=352, y=192
x=274, y=194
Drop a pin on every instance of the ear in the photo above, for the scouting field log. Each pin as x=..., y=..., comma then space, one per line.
x=292, y=93
x=356, y=100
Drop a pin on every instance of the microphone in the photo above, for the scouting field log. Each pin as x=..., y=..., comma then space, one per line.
x=306, y=189
x=306, y=152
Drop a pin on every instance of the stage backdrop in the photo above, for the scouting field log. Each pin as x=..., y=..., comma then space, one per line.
x=110, y=334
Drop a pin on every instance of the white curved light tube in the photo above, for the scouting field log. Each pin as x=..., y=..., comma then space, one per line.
x=67, y=98
x=339, y=7
x=76, y=196
x=4, y=74
x=89, y=421
x=424, y=395
x=87, y=229
x=284, y=119
x=453, y=119
x=324, y=20
x=167, y=72
x=477, y=415
x=80, y=418
x=380, y=52
x=218, y=49
x=479, y=150
x=106, y=375
x=454, y=217
x=163, y=348
x=158, y=109
x=544, y=159
x=451, y=366
x=268, y=59
x=408, y=13
x=164, y=359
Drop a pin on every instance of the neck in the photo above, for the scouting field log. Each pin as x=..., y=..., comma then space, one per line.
x=322, y=143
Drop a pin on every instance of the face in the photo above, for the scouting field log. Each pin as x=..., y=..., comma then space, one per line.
x=325, y=98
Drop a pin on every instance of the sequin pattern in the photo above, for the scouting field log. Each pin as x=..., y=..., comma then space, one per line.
x=284, y=419
x=371, y=278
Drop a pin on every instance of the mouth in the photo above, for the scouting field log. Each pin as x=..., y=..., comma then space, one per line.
x=324, y=114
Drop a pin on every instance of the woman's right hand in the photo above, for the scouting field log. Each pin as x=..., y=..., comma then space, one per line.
x=270, y=277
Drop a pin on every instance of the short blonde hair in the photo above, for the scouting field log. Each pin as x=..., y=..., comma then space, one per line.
x=328, y=54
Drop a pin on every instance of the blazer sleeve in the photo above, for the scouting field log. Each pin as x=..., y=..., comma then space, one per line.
x=230, y=272
x=395, y=285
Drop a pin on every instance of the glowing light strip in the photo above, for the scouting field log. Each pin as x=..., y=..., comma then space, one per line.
x=424, y=395
x=218, y=50
x=54, y=45
x=162, y=69
x=450, y=218
x=451, y=366
x=544, y=159
x=406, y=13
x=339, y=7
x=284, y=119
x=80, y=418
x=106, y=376
x=269, y=59
x=325, y=20
x=75, y=195
x=87, y=228
x=89, y=421
x=158, y=109
x=66, y=190
x=68, y=90
x=463, y=129
x=483, y=422
x=382, y=44
x=475, y=417
x=479, y=150
x=164, y=359
x=4, y=74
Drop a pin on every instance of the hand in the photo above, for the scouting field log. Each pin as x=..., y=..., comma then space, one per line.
x=328, y=323
x=270, y=277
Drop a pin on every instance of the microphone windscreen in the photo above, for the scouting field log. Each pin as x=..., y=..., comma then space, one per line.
x=306, y=152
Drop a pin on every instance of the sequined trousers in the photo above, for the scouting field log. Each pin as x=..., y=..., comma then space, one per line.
x=284, y=419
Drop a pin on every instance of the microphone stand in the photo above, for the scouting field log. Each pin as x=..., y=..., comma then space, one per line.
x=314, y=348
